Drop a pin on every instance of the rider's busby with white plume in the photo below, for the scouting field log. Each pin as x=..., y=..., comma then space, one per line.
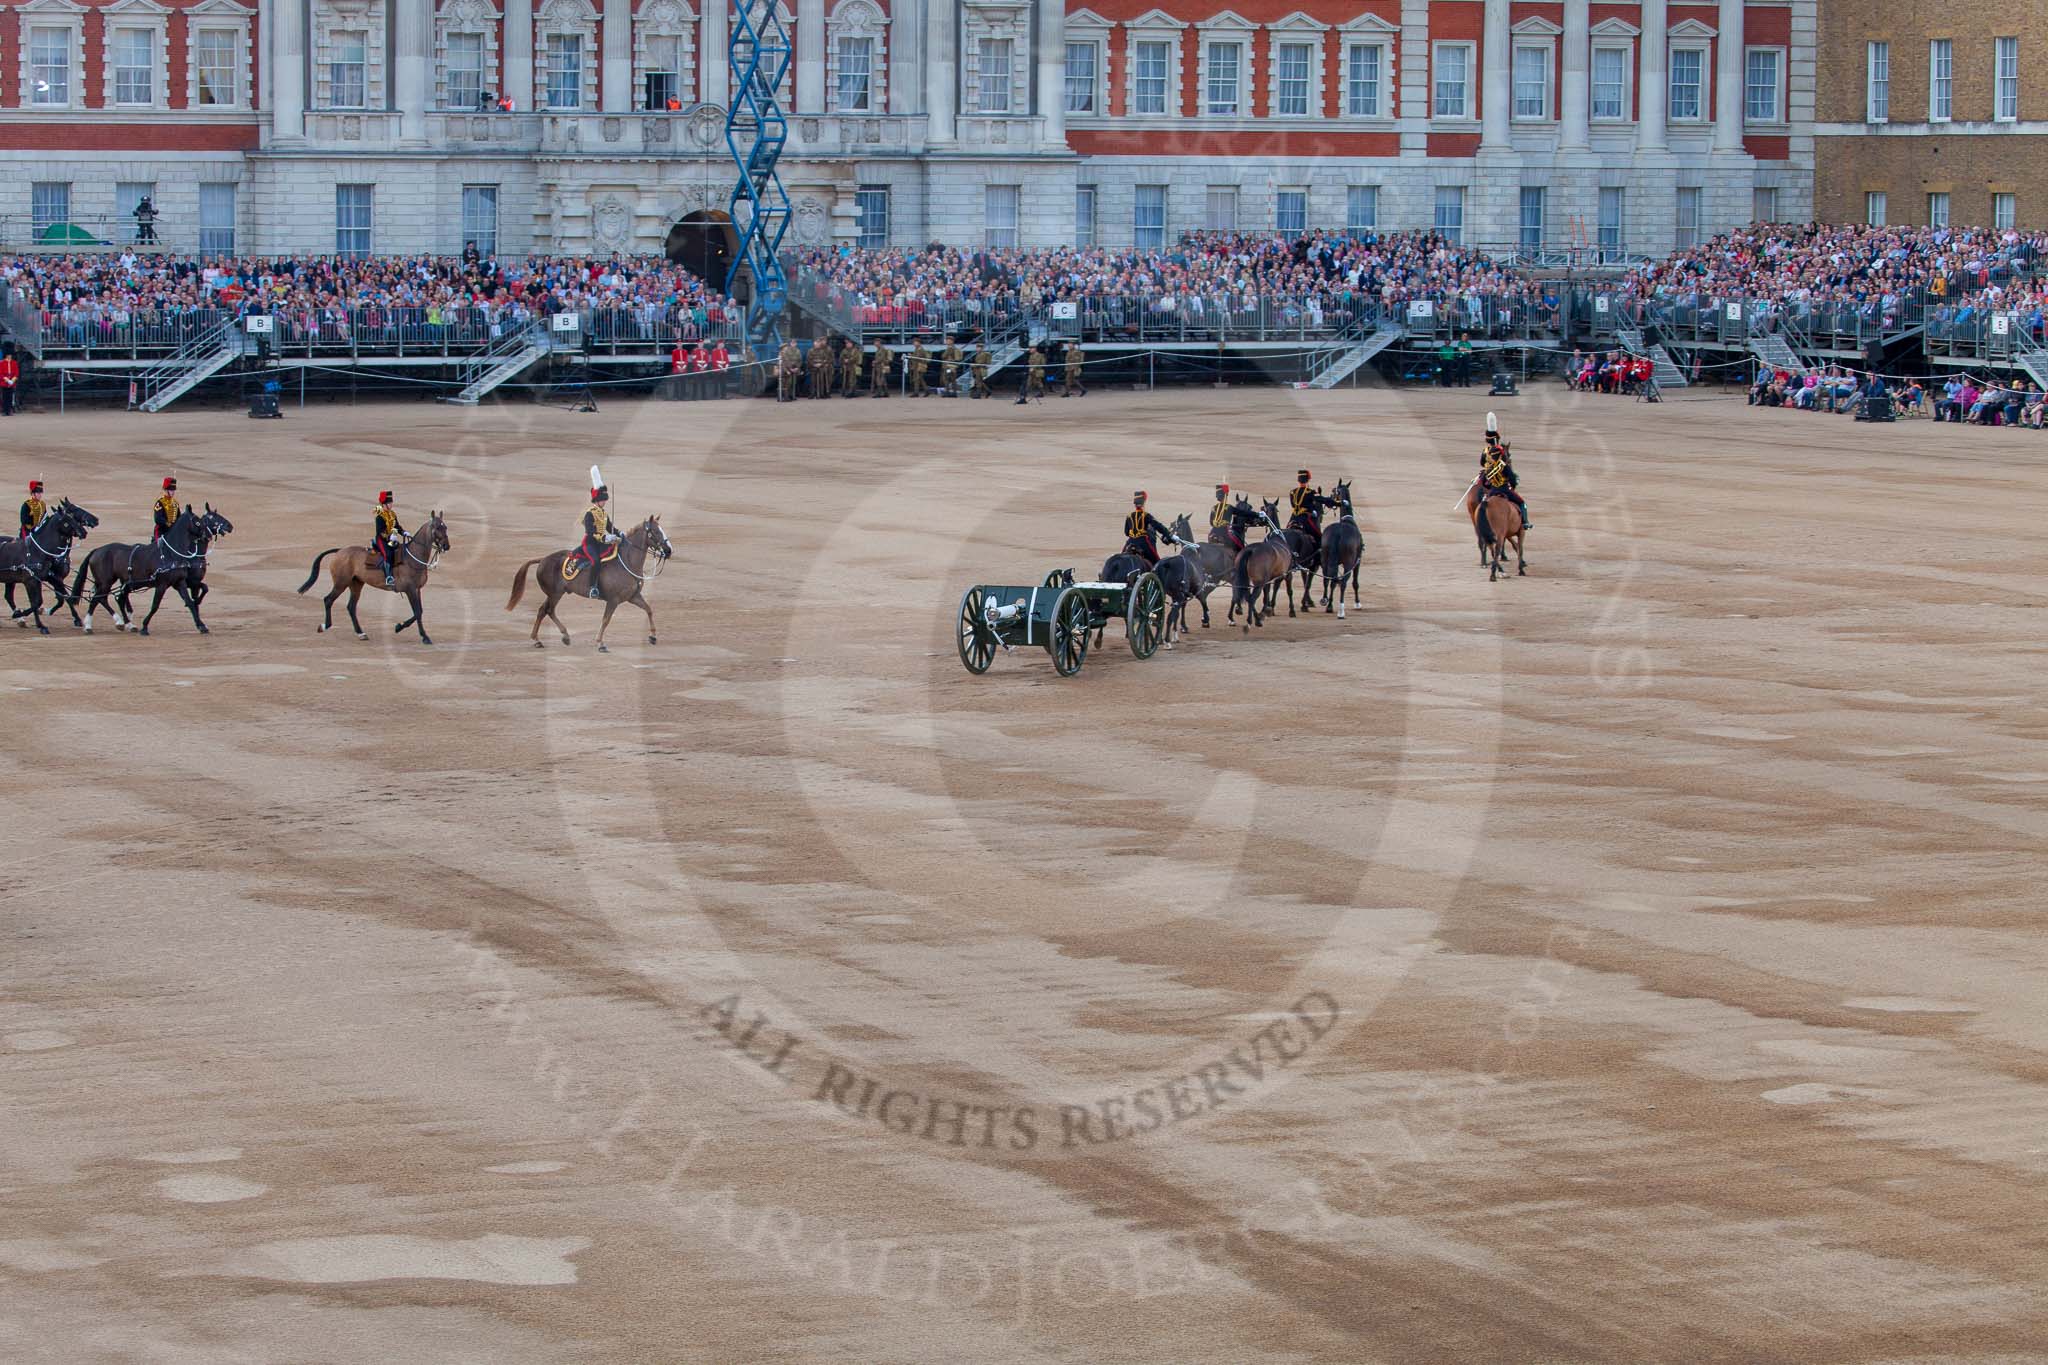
x=598, y=492
x=1492, y=425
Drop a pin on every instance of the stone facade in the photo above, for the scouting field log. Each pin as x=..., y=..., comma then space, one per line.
x=1909, y=137
x=1043, y=122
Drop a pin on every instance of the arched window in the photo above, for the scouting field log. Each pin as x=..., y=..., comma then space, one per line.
x=665, y=55
x=856, y=58
x=466, y=54
x=565, y=57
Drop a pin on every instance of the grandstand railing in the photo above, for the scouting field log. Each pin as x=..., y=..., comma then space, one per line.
x=397, y=332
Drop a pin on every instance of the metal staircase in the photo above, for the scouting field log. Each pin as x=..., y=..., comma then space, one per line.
x=196, y=360
x=1669, y=374
x=759, y=53
x=1329, y=368
x=1774, y=351
x=499, y=363
x=2029, y=354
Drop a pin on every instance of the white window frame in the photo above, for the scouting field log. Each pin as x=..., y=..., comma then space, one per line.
x=1369, y=30
x=1701, y=110
x=1464, y=111
x=68, y=21
x=1439, y=202
x=1542, y=203
x=1002, y=201
x=862, y=237
x=124, y=43
x=1354, y=48
x=1138, y=196
x=1942, y=197
x=39, y=224
x=470, y=233
x=998, y=95
x=469, y=19
x=219, y=16
x=1941, y=79
x=1546, y=55
x=568, y=19
x=369, y=227
x=1217, y=39
x=214, y=247
x=1296, y=30
x=1225, y=196
x=1094, y=48
x=1686, y=234
x=450, y=95
x=563, y=96
x=856, y=19
x=2005, y=210
x=1087, y=214
x=153, y=20
x=1776, y=118
x=847, y=96
x=1625, y=106
x=2005, y=88
x=1280, y=197
x=1618, y=230
x=1877, y=81
x=1089, y=29
x=1876, y=208
x=1759, y=196
x=673, y=19
x=1153, y=27
x=1354, y=196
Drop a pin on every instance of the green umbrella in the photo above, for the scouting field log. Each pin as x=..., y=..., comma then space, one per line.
x=67, y=234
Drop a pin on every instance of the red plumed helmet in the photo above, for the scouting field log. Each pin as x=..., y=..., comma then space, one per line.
x=385, y=496
x=35, y=485
x=169, y=484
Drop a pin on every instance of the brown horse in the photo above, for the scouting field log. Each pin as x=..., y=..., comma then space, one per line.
x=1501, y=525
x=618, y=580
x=359, y=567
x=1261, y=570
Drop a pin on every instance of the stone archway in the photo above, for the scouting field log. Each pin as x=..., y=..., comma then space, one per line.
x=705, y=244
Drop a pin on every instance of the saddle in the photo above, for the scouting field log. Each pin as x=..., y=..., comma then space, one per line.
x=573, y=565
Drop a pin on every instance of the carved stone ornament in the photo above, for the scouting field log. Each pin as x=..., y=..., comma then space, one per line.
x=707, y=126
x=612, y=224
x=614, y=129
x=813, y=222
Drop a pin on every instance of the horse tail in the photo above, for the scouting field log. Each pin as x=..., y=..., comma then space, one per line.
x=519, y=582
x=314, y=572
x=84, y=565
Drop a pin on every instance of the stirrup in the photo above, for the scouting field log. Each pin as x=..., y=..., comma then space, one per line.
x=596, y=591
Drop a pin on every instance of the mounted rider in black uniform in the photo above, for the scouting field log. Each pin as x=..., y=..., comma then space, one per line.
x=386, y=534
x=1307, y=505
x=1141, y=530
x=1497, y=477
x=164, y=510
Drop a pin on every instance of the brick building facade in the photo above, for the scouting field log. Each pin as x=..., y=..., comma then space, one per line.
x=1932, y=112
x=372, y=125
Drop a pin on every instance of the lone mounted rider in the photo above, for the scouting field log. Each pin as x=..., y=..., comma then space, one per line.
x=1497, y=477
x=1307, y=504
x=1221, y=519
x=597, y=528
x=33, y=508
x=164, y=509
x=386, y=535
x=1141, y=530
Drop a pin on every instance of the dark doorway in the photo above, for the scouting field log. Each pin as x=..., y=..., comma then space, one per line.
x=704, y=244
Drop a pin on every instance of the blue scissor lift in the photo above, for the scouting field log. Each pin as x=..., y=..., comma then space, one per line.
x=755, y=132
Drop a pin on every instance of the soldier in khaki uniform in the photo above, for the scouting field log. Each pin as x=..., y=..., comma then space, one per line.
x=949, y=370
x=821, y=367
x=850, y=357
x=1034, y=372
x=789, y=363
x=878, y=372
x=1073, y=387
x=982, y=360
x=914, y=366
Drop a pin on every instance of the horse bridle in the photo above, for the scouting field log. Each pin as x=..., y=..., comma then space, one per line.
x=661, y=559
x=433, y=553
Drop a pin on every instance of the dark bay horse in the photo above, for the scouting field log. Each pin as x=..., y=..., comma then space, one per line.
x=170, y=562
x=360, y=566
x=618, y=580
x=1217, y=556
x=1343, y=547
x=1496, y=522
x=42, y=557
x=1262, y=569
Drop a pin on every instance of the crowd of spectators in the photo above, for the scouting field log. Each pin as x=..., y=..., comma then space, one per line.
x=113, y=301
x=1319, y=280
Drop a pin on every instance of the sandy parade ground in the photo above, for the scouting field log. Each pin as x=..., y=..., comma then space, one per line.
x=1639, y=960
